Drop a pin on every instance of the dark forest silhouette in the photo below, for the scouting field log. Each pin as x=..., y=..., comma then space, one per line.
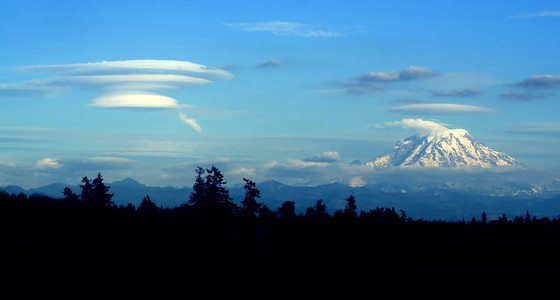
x=210, y=228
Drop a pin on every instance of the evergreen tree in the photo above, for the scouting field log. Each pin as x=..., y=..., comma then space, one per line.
x=147, y=206
x=350, y=209
x=484, y=218
x=318, y=210
x=287, y=210
x=87, y=190
x=209, y=193
x=198, y=194
x=100, y=195
x=250, y=205
x=69, y=195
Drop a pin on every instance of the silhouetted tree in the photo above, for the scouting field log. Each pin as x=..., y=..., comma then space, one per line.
x=87, y=190
x=209, y=193
x=147, y=206
x=69, y=196
x=350, y=209
x=100, y=195
x=484, y=218
x=318, y=210
x=287, y=210
x=198, y=194
x=265, y=212
x=250, y=205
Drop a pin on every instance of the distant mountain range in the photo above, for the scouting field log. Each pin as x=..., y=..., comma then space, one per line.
x=446, y=148
x=434, y=201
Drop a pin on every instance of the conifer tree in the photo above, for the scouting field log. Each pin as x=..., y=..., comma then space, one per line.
x=350, y=209
x=198, y=194
x=87, y=190
x=250, y=205
x=100, y=195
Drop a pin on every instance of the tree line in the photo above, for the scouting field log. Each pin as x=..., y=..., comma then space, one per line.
x=212, y=227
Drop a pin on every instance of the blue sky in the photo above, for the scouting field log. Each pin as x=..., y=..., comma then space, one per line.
x=285, y=90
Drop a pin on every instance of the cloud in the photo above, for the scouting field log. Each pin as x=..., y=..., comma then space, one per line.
x=98, y=163
x=469, y=92
x=407, y=74
x=122, y=84
x=141, y=66
x=522, y=96
x=242, y=171
x=418, y=125
x=441, y=109
x=325, y=157
x=537, y=15
x=48, y=163
x=542, y=129
x=357, y=182
x=284, y=28
x=370, y=82
x=191, y=122
x=135, y=101
x=30, y=88
x=270, y=63
x=540, y=82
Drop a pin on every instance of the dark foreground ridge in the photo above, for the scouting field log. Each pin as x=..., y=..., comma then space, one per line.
x=209, y=233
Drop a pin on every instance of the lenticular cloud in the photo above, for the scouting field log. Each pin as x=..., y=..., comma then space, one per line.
x=122, y=84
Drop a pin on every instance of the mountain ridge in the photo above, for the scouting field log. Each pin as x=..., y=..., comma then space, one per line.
x=429, y=201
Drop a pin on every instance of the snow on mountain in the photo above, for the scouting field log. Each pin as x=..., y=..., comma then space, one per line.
x=446, y=148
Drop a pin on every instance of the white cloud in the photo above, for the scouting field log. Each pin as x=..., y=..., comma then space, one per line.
x=135, y=101
x=123, y=84
x=191, y=122
x=48, y=163
x=325, y=157
x=357, y=182
x=441, y=109
x=242, y=171
x=284, y=28
x=141, y=66
x=418, y=125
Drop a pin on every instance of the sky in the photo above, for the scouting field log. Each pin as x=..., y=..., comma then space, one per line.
x=293, y=91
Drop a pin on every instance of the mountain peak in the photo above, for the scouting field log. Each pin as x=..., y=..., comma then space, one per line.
x=446, y=148
x=128, y=182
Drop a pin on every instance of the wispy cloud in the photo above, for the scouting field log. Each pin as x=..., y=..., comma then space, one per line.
x=284, y=28
x=407, y=74
x=541, y=14
x=191, y=122
x=441, y=109
x=371, y=82
x=540, y=82
x=469, y=92
x=270, y=63
x=525, y=96
x=543, y=129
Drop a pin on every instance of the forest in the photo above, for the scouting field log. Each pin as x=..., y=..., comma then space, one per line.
x=209, y=229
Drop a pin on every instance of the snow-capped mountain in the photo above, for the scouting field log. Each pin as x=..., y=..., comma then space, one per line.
x=446, y=148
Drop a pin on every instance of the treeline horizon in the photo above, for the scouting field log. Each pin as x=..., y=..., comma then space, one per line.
x=209, y=225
